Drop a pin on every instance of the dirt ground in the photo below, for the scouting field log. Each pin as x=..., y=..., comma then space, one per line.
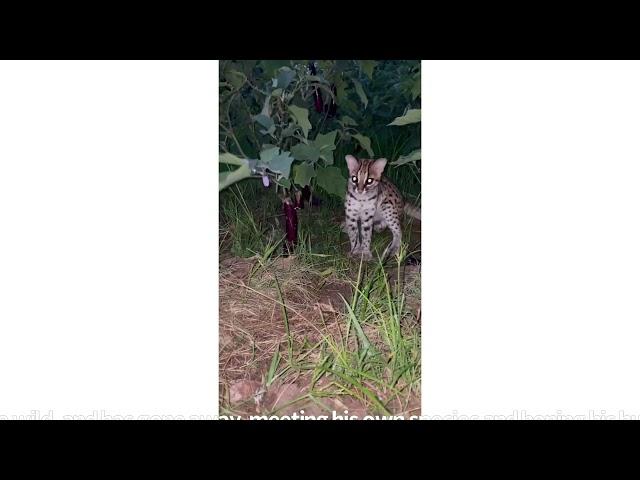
x=253, y=328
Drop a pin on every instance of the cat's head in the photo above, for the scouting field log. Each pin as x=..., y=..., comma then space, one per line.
x=364, y=174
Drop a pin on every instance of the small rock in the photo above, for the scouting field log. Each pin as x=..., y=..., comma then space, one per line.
x=243, y=390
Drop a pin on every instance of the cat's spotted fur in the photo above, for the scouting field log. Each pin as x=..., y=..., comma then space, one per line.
x=372, y=203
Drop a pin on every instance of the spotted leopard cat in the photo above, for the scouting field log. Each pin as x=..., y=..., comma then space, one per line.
x=373, y=203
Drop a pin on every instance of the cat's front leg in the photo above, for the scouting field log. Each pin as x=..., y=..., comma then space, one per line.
x=366, y=227
x=351, y=225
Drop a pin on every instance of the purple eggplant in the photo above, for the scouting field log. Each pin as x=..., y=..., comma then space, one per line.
x=291, y=224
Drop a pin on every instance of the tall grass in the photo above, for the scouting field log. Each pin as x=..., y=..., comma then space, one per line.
x=375, y=357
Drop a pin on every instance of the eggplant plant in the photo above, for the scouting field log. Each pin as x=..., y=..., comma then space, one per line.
x=281, y=122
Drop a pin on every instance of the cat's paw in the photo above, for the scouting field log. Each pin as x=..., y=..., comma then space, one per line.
x=364, y=254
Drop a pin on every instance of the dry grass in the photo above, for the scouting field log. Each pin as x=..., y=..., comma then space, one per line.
x=315, y=331
x=252, y=326
x=272, y=347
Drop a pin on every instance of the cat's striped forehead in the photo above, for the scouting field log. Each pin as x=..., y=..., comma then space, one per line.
x=365, y=171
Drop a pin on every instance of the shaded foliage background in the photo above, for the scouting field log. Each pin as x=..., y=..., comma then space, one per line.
x=306, y=318
x=292, y=121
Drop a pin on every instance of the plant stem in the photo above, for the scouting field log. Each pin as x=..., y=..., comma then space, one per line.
x=228, y=178
x=235, y=139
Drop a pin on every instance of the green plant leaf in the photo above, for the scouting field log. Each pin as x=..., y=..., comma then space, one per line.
x=227, y=178
x=301, y=116
x=415, y=88
x=235, y=78
x=317, y=78
x=309, y=153
x=247, y=66
x=341, y=90
x=284, y=182
x=303, y=173
x=270, y=131
x=269, y=153
x=346, y=120
x=326, y=65
x=360, y=92
x=367, y=67
x=349, y=106
x=330, y=179
x=271, y=374
x=277, y=162
x=289, y=130
x=412, y=157
x=263, y=120
x=327, y=156
x=285, y=76
x=281, y=164
x=326, y=141
x=412, y=116
x=365, y=142
x=232, y=159
x=270, y=67
x=342, y=65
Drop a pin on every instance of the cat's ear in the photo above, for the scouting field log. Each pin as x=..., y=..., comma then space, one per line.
x=377, y=167
x=353, y=163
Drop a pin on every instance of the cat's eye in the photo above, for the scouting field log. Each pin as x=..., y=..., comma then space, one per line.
x=369, y=180
x=354, y=179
